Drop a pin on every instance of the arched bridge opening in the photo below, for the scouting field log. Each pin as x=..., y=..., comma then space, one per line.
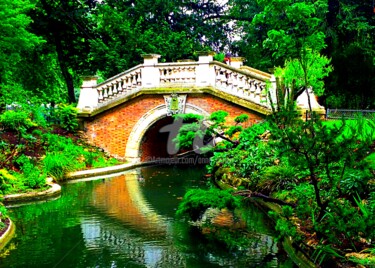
x=155, y=142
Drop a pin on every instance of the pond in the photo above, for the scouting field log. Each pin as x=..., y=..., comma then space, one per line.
x=128, y=221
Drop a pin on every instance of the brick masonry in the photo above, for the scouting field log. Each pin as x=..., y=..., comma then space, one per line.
x=110, y=130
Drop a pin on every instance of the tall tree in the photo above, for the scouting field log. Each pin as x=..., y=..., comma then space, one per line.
x=64, y=25
x=174, y=29
x=295, y=39
x=350, y=31
x=15, y=39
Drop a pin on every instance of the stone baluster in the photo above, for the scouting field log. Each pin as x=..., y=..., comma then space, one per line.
x=235, y=84
x=230, y=81
x=241, y=83
x=257, y=92
x=192, y=74
x=252, y=89
x=115, y=91
x=134, y=81
x=121, y=86
x=128, y=82
x=100, y=94
x=183, y=75
x=105, y=94
x=263, y=93
x=162, y=75
x=110, y=90
x=223, y=79
x=139, y=79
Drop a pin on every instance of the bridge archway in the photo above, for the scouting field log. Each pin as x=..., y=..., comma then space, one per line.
x=133, y=146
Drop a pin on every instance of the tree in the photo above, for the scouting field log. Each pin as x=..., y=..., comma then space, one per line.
x=350, y=26
x=174, y=29
x=65, y=27
x=15, y=40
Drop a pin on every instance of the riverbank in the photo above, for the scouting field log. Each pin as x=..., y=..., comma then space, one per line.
x=7, y=233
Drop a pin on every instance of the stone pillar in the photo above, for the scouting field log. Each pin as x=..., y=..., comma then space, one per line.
x=303, y=103
x=236, y=62
x=205, y=73
x=150, y=74
x=271, y=94
x=88, y=97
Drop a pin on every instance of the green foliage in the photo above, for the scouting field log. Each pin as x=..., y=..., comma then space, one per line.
x=32, y=177
x=197, y=201
x=233, y=130
x=277, y=178
x=218, y=117
x=3, y=215
x=284, y=227
x=7, y=181
x=3, y=212
x=16, y=120
x=63, y=156
x=188, y=118
x=241, y=118
x=68, y=117
x=99, y=162
x=219, y=57
x=15, y=40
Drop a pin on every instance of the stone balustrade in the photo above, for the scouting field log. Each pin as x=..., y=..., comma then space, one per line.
x=240, y=84
x=177, y=74
x=234, y=80
x=126, y=83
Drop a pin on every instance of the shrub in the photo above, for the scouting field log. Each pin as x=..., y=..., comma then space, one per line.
x=3, y=215
x=32, y=177
x=58, y=164
x=68, y=117
x=276, y=178
x=7, y=182
x=18, y=121
x=197, y=201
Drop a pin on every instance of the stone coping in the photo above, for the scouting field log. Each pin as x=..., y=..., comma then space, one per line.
x=8, y=235
x=107, y=170
x=54, y=192
x=26, y=198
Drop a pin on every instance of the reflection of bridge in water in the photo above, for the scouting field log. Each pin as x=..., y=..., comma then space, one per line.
x=136, y=230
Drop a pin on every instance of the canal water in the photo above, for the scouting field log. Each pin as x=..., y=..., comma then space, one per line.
x=128, y=220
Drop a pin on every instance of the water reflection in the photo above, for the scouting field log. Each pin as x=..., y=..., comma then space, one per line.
x=126, y=221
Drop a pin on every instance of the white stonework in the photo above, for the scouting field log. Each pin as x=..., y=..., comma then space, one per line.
x=303, y=101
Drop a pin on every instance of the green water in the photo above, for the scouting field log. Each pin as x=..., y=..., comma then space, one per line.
x=128, y=221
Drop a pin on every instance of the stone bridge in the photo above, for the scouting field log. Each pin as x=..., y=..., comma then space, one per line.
x=124, y=114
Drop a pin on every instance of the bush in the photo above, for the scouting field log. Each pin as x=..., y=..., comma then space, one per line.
x=197, y=201
x=18, y=121
x=68, y=117
x=58, y=164
x=32, y=177
x=276, y=178
x=7, y=182
x=3, y=215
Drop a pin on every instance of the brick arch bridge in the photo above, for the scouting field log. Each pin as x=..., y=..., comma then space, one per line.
x=124, y=114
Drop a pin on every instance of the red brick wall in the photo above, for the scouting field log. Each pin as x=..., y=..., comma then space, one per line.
x=110, y=130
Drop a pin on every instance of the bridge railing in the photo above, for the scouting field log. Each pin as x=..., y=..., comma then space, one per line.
x=122, y=84
x=177, y=74
x=240, y=83
x=245, y=82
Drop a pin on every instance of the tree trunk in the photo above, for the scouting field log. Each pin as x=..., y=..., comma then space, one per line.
x=65, y=71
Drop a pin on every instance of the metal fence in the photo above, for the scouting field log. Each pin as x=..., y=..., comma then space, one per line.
x=349, y=114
